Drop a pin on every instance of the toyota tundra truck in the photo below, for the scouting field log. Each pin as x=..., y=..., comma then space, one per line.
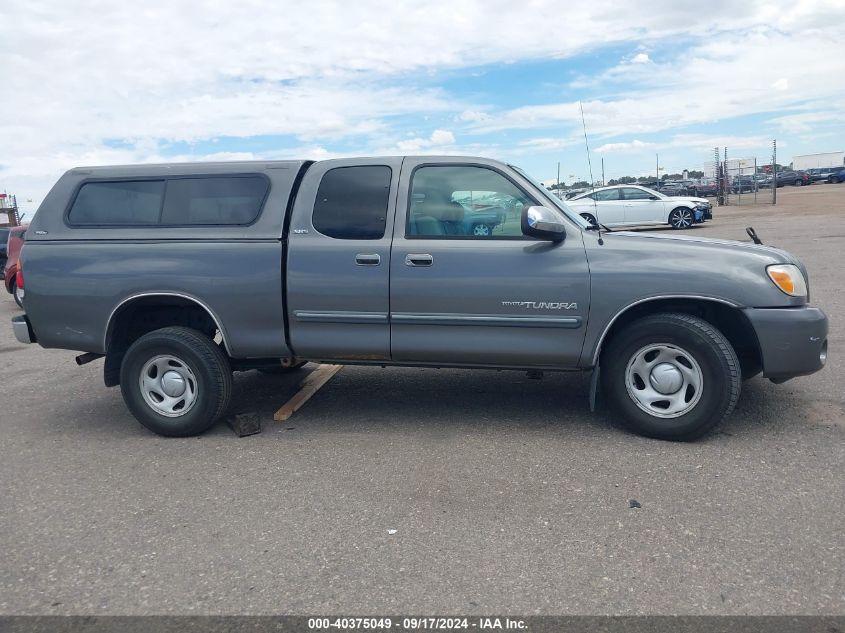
x=177, y=275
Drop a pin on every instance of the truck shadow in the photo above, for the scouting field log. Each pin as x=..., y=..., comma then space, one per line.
x=446, y=402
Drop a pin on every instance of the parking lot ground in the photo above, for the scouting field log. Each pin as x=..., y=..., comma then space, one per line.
x=505, y=493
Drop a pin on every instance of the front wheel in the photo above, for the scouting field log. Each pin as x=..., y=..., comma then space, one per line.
x=176, y=381
x=481, y=230
x=799, y=182
x=834, y=179
x=681, y=218
x=671, y=376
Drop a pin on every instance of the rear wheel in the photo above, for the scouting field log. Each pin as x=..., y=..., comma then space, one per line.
x=671, y=376
x=17, y=293
x=481, y=230
x=681, y=218
x=589, y=217
x=176, y=381
x=799, y=182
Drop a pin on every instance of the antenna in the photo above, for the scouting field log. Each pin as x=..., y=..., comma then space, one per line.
x=590, y=165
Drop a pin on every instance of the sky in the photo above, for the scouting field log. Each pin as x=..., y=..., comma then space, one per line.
x=95, y=83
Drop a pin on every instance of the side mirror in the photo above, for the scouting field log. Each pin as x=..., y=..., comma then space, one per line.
x=653, y=198
x=542, y=222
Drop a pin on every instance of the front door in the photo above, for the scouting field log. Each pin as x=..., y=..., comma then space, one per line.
x=338, y=260
x=467, y=297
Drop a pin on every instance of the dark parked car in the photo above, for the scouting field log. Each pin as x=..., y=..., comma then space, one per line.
x=797, y=178
x=673, y=189
x=13, y=246
x=744, y=184
x=821, y=174
x=4, y=237
x=837, y=176
x=705, y=187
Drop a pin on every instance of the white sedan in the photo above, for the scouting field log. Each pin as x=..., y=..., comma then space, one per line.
x=632, y=205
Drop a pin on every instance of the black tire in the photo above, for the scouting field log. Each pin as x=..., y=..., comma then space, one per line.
x=681, y=218
x=799, y=182
x=276, y=370
x=716, y=362
x=834, y=179
x=589, y=217
x=16, y=295
x=205, y=361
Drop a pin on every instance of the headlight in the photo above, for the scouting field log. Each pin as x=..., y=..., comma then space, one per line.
x=789, y=279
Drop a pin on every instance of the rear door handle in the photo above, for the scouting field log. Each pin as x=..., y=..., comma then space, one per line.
x=418, y=259
x=371, y=259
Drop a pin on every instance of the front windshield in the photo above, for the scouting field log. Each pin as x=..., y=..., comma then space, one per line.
x=558, y=204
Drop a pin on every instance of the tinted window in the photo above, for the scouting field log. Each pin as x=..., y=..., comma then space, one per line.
x=217, y=200
x=631, y=193
x=606, y=194
x=464, y=201
x=352, y=202
x=121, y=202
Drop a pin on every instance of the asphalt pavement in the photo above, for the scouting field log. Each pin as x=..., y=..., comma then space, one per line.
x=430, y=491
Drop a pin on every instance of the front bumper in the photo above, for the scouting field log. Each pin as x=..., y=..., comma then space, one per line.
x=793, y=341
x=23, y=329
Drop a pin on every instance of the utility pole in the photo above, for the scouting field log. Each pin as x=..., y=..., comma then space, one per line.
x=774, y=171
x=602, y=171
x=718, y=174
x=558, y=176
x=657, y=170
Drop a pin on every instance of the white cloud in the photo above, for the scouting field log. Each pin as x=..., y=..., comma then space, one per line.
x=626, y=146
x=438, y=138
x=640, y=58
x=781, y=84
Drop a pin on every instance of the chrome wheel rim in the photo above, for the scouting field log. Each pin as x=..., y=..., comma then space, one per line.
x=168, y=386
x=682, y=219
x=664, y=380
x=481, y=229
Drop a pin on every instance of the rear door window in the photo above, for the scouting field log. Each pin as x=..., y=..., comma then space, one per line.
x=125, y=202
x=607, y=195
x=352, y=202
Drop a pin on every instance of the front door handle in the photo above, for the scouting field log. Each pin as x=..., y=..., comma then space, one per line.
x=365, y=259
x=418, y=259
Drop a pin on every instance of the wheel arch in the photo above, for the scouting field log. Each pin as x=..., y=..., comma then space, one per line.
x=727, y=316
x=144, y=312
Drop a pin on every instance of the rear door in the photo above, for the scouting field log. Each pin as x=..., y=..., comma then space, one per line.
x=610, y=206
x=640, y=208
x=338, y=260
x=460, y=297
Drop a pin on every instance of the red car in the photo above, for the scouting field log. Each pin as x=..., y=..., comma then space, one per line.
x=10, y=270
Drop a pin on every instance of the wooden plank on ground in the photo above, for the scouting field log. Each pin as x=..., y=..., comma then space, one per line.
x=307, y=388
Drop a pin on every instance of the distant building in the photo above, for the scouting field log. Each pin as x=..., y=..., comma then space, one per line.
x=826, y=159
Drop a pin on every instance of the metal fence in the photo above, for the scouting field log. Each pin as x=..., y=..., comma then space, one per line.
x=740, y=181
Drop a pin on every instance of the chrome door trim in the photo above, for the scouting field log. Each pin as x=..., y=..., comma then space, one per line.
x=494, y=321
x=339, y=316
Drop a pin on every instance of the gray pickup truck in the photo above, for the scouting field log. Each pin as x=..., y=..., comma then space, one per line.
x=180, y=274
